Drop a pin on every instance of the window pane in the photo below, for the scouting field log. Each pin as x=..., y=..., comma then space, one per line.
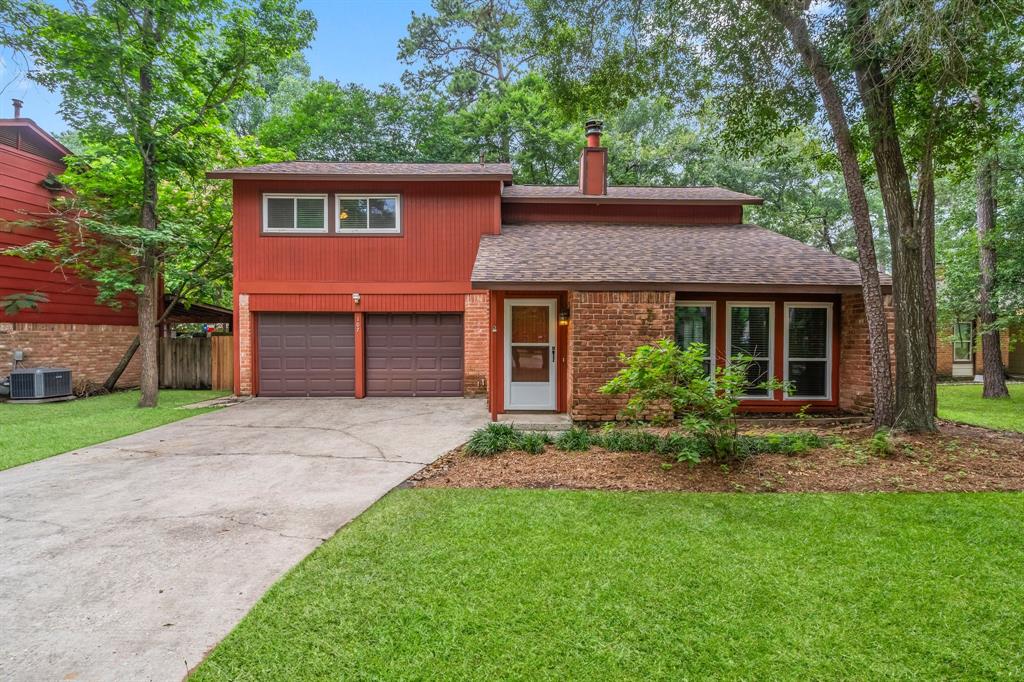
x=383, y=213
x=808, y=333
x=310, y=213
x=352, y=214
x=809, y=379
x=530, y=363
x=280, y=214
x=961, y=351
x=750, y=331
x=757, y=373
x=530, y=323
x=693, y=325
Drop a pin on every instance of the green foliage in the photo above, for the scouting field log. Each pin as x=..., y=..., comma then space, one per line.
x=575, y=439
x=662, y=381
x=492, y=440
x=882, y=443
x=12, y=304
x=534, y=442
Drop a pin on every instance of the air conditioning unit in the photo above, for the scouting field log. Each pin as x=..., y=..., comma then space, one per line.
x=40, y=383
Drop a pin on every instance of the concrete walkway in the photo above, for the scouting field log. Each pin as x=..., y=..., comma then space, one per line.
x=131, y=559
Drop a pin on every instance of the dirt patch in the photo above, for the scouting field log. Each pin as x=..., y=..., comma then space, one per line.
x=957, y=458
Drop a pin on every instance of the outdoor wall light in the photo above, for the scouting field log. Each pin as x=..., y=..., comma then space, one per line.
x=563, y=317
x=355, y=298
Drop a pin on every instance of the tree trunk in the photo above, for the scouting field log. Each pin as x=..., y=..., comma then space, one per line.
x=926, y=219
x=878, y=328
x=145, y=138
x=915, y=375
x=991, y=356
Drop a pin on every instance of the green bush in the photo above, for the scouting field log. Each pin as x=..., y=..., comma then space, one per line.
x=882, y=444
x=574, y=440
x=663, y=380
x=627, y=440
x=784, y=444
x=534, y=442
x=492, y=439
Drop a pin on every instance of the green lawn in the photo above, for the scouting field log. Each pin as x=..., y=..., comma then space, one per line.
x=963, y=403
x=31, y=432
x=556, y=585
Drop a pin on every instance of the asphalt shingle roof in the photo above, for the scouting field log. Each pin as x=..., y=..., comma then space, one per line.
x=596, y=253
x=325, y=169
x=645, y=194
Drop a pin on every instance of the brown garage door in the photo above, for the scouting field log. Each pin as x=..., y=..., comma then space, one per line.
x=414, y=354
x=306, y=354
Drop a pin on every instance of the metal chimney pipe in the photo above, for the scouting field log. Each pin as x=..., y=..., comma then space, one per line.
x=17, y=107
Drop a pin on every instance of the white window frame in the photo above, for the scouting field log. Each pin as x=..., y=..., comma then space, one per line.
x=970, y=343
x=295, y=217
x=397, y=229
x=712, y=352
x=828, y=350
x=770, y=305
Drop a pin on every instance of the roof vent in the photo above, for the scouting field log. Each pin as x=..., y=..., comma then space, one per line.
x=17, y=107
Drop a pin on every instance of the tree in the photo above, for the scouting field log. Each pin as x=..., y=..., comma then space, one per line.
x=158, y=72
x=465, y=49
x=993, y=372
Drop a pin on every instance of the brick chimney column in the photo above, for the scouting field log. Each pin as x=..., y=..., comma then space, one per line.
x=594, y=162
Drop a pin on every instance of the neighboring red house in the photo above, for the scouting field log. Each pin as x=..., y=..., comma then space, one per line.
x=71, y=329
x=364, y=279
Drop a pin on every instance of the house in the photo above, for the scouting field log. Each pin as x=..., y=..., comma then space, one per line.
x=958, y=351
x=370, y=279
x=68, y=329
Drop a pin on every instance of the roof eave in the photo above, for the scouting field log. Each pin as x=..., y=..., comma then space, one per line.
x=605, y=199
x=362, y=177
x=720, y=287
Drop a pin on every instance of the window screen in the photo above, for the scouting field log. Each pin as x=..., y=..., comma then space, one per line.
x=750, y=335
x=694, y=324
x=807, y=346
x=369, y=214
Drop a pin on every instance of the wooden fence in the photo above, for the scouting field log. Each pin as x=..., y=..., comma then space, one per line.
x=197, y=363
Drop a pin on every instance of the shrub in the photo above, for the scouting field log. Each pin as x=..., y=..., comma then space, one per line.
x=534, y=442
x=662, y=375
x=574, y=440
x=882, y=444
x=785, y=444
x=623, y=440
x=492, y=439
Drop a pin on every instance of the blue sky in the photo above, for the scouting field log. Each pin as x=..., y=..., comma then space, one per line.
x=356, y=41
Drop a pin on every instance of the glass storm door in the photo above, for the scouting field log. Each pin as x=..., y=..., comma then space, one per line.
x=530, y=354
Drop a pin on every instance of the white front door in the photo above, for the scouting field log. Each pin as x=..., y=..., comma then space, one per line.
x=530, y=354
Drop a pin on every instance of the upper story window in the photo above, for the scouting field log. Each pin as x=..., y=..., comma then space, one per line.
x=369, y=213
x=294, y=213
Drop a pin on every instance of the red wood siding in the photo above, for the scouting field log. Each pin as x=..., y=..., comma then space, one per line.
x=529, y=212
x=411, y=303
x=441, y=227
x=22, y=198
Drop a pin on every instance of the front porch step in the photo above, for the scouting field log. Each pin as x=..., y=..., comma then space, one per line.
x=538, y=421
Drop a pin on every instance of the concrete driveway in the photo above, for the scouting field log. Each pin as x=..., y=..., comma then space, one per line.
x=131, y=559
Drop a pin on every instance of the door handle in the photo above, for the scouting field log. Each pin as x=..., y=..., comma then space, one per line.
x=552, y=353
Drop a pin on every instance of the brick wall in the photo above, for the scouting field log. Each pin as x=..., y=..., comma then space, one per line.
x=243, y=336
x=855, y=393
x=604, y=324
x=90, y=350
x=476, y=332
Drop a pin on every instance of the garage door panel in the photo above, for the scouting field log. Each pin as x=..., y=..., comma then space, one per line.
x=306, y=354
x=414, y=354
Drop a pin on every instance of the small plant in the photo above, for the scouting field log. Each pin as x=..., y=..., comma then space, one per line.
x=627, y=440
x=801, y=415
x=882, y=444
x=534, y=442
x=574, y=440
x=493, y=439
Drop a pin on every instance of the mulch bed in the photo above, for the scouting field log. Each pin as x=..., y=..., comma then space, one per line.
x=956, y=459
